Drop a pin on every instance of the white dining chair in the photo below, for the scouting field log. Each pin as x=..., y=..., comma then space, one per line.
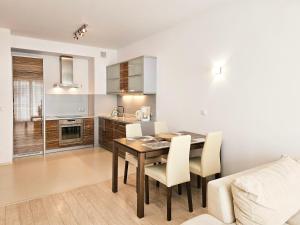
x=160, y=127
x=209, y=163
x=176, y=171
x=135, y=130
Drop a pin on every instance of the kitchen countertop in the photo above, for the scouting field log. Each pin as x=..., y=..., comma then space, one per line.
x=125, y=119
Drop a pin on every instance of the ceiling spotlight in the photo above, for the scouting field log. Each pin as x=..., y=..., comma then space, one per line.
x=80, y=32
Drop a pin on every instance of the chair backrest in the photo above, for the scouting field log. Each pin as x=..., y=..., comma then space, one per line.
x=210, y=158
x=160, y=127
x=133, y=130
x=178, y=168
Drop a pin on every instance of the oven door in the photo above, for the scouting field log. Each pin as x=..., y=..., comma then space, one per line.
x=70, y=134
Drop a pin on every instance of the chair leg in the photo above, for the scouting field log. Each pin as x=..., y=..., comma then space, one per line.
x=218, y=175
x=157, y=184
x=204, y=187
x=189, y=196
x=169, y=203
x=179, y=189
x=125, y=172
x=146, y=189
x=198, y=181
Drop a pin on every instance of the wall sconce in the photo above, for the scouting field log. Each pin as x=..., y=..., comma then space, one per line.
x=217, y=71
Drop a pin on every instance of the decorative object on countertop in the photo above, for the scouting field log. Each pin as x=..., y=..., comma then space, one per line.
x=114, y=112
x=144, y=114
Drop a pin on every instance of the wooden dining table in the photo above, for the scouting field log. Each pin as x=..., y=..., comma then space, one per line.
x=137, y=148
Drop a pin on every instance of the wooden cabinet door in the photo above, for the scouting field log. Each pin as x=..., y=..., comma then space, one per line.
x=108, y=134
x=52, y=134
x=88, y=131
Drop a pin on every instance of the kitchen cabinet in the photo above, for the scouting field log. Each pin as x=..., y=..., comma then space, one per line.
x=52, y=134
x=135, y=76
x=113, y=79
x=110, y=130
x=88, y=131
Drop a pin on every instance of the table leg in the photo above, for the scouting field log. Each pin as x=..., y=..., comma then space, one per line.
x=141, y=183
x=115, y=168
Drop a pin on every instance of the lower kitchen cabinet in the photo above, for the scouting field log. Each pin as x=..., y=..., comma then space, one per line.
x=88, y=131
x=110, y=130
x=52, y=134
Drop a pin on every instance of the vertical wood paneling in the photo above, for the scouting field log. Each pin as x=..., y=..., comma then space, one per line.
x=26, y=68
x=52, y=134
x=124, y=77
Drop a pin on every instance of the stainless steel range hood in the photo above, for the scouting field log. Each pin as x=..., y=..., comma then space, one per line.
x=66, y=73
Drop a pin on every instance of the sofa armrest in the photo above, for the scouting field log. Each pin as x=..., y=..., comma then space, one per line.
x=204, y=219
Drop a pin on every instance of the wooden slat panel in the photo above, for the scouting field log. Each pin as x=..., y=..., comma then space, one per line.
x=12, y=215
x=52, y=213
x=94, y=215
x=64, y=210
x=78, y=212
x=27, y=68
x=25, y=214
x=88, y=131
x=52, y=134
x=2, y=216
x=38, y=212
x=103, y=206
x=124, y=77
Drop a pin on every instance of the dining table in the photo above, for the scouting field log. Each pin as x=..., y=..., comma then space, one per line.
x=143, y=148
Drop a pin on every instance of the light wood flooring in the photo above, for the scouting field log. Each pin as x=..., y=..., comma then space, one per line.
x=34, y=177
x=96, y=204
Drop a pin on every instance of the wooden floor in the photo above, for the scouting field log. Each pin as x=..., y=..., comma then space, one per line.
x=96, y=204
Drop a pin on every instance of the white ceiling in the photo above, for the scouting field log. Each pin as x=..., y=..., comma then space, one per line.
x=112, y=23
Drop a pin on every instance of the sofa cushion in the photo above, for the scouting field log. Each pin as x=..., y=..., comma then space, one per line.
x=269, y=196
x=205, y=219
x=295, y=220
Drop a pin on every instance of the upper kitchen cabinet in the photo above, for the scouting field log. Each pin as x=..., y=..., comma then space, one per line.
x=134, y=76
x=113, y=79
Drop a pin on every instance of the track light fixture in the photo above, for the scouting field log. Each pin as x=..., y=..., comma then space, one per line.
x=80, y=32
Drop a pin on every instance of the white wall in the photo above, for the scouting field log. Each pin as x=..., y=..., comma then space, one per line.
x=61, y=105
x=6, y=98
x=256, y=104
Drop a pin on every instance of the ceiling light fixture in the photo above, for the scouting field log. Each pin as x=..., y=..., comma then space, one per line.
x=80, y=32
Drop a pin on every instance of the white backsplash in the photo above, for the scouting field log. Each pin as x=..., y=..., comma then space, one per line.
x=60, y=105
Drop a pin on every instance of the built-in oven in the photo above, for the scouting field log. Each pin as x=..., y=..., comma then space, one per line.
x=70, y=132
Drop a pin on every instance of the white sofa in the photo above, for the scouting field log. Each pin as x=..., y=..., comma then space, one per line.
x=220, y=203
